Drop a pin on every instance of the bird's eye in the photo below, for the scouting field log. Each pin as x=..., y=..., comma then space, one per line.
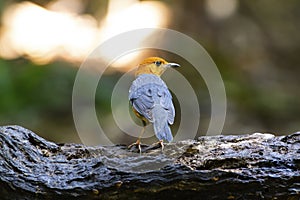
x=158, y=63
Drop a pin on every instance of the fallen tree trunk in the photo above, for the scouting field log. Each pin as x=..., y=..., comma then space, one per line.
x=256, y=166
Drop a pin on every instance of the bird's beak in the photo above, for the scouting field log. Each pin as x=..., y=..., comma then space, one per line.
x=172, y=65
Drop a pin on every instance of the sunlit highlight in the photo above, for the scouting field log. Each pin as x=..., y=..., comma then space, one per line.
x=44, y=34
x=221, y=9
x=134, y=16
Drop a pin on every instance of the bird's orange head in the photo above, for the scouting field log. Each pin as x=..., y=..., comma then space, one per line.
x=154, y=65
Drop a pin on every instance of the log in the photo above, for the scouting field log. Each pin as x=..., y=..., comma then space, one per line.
x=254, y=166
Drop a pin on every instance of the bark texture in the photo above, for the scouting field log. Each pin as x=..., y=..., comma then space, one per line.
x=256, y=166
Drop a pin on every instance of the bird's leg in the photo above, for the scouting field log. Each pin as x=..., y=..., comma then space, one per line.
x=160, y=143
x=138, y=141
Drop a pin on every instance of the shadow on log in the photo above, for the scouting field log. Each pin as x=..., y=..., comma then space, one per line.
x=256, y=166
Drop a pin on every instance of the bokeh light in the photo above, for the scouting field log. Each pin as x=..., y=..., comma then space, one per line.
x=59, y=31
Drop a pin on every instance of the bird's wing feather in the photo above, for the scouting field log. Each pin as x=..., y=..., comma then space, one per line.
x=144, y=98
x=167, y=104
x=142, y=101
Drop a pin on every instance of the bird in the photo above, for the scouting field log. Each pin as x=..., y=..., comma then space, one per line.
x=151, y=100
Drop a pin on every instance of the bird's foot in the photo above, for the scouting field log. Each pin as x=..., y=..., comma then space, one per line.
x=159, y=143
x=136, y=144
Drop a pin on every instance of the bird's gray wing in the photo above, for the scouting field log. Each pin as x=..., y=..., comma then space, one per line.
x=144, y=99
x=167, y=104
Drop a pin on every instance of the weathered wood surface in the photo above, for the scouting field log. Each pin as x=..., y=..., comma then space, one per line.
x=256, y=166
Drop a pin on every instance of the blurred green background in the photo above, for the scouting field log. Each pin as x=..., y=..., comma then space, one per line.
x=255, y=45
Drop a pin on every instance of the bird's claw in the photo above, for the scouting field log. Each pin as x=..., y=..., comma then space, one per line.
x=137, y=144
x=155, y=145
x=160, y=143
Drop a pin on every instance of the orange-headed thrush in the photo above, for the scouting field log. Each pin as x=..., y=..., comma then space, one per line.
x=151, y=100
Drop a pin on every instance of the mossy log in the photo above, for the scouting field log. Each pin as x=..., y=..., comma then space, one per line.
x=255, y=166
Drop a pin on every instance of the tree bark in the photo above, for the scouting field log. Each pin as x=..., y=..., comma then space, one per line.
x=256, y=166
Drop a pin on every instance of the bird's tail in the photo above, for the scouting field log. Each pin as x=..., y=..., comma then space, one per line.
x=163, y=131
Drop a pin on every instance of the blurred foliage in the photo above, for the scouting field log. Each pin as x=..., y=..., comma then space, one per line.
x=37, y=97
x=256, y=50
